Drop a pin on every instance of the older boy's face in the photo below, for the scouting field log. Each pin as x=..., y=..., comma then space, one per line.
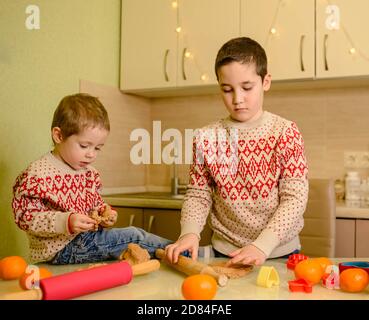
x=80, y=150
x=243, y=90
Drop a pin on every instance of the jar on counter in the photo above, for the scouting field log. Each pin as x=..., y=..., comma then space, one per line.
x=339, y=188
x=352, y=188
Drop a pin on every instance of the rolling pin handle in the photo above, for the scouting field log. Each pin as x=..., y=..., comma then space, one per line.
x=34, y=294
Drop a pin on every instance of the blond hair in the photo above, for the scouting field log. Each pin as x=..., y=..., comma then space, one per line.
x=78, y=112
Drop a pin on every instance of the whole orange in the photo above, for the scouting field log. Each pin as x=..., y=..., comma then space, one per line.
x=309, y=270
x=29, y=279
x=324, y=262
x=354, y=280
x=1, y=269
x=12, y=267
x=199, y=287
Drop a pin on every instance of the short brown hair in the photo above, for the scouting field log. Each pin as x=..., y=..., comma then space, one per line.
x=79, y=111
x=243, y=50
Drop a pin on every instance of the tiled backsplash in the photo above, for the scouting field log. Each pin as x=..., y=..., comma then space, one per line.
x=332, y=122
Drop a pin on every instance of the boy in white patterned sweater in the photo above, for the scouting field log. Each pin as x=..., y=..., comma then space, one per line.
x=254, y=186
x=55, y=196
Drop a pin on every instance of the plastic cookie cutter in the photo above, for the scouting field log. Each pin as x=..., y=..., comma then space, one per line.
x=300, y=285
x=267, y=277
x=294, y=259
x=331, y=277
x=354, y=264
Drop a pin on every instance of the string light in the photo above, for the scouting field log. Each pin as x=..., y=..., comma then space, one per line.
x=333, y=25
x=174, y=4
x=188, y=54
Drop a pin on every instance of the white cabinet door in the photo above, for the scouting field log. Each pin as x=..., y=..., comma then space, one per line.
x=342, y=38
x=345, y=238
x=149, y=44
x=206, y=26
x=285, y=28
x=362, y=238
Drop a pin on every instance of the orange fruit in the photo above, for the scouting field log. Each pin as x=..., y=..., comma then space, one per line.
x=12, y=267
x=199, y=287
x=1, y=272
x=28, y=279
x=354, y=280
x=324, y=262
x=309, y=270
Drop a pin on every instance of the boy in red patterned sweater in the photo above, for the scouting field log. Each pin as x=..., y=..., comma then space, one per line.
x=56, y=195
x=249, y=170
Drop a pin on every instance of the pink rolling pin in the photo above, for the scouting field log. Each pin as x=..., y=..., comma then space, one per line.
x=79, y=283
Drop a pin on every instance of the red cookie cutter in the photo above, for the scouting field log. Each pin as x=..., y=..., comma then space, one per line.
x=300, y=285
x=294, y=259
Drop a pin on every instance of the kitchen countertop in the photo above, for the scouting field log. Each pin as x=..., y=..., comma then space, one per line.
x=163, y=200
x=165, y=284
x=352, y=209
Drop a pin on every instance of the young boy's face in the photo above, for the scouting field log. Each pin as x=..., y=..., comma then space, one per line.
x=242, y=90
x=79, y=150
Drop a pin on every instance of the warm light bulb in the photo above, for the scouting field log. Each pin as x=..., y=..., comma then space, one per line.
x=352, y=50
x=178, y=29
x=174, y=4
x=273, y=30
x=204, y=77
x=188, y=54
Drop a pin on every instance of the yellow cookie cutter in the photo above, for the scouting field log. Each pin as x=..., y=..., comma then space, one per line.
x=267, y=277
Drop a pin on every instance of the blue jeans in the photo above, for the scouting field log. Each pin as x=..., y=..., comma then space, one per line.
x=107, y=244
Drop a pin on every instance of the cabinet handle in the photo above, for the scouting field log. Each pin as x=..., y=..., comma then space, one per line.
x=183, y=64
x=151, y=220
x=166, y=77
x=302, y=52
x=325, y=52
x=131, y=219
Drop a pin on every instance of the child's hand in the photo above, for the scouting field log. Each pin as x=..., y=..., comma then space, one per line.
x=188, y=242
x=81, y=223
x=247, y=255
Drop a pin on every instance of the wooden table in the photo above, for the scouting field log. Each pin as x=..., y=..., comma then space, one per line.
x=165, y=284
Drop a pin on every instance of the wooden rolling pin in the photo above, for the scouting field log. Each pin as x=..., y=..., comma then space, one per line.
x=190, y=267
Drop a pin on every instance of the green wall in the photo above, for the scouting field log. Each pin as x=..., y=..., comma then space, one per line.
x=77, y=39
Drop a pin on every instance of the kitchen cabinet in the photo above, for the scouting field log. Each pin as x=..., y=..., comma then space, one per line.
x=362, y=238
x=166, y=46
x=128, y=217
x=309, y=39
x=352, y=237
x=285, y=29
x=148, y=45
x=345, y=238
x=170, y=46
x=342, y=47
x=162, y=222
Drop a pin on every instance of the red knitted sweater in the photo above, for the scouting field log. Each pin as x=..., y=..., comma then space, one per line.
x=44, y=195
x=255, y=189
